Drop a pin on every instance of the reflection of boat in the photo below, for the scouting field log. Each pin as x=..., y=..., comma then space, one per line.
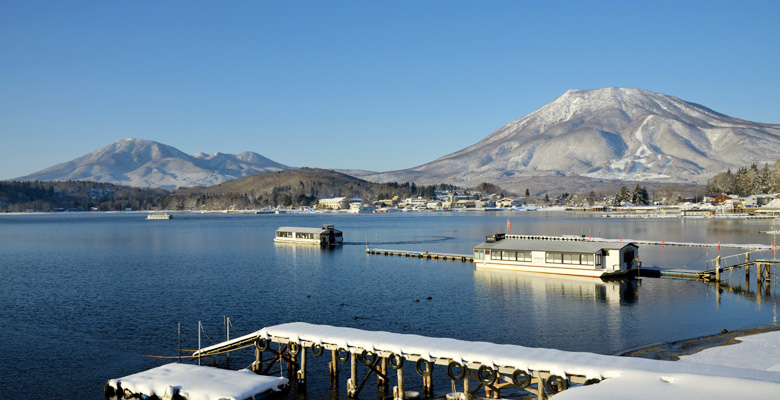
x=563, y=257
x=327, y=235
x=159, y=216
x=610, y=291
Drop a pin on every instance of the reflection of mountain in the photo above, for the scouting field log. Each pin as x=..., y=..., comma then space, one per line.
x=540, y=286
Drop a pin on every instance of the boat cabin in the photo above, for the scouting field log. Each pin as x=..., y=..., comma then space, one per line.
x=325, y=236
x=556, y=256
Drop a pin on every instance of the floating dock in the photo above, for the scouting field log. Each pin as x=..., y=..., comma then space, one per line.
x=487, y=366
x=193, y=382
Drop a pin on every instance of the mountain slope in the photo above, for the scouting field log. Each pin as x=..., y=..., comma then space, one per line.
x=145, y=163
x=612, y=133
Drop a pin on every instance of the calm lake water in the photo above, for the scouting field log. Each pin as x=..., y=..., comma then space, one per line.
x=85, y=297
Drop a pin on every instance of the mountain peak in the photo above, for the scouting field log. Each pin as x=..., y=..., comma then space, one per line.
x=146, y=163
x=609, y=133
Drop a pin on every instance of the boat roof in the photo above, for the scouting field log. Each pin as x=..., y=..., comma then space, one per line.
x=304, y=229
x=551, y=245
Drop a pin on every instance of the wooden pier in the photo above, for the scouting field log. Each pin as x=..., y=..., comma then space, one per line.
x=474, y=366
x=422, y=254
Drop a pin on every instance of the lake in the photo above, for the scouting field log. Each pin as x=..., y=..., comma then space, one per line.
x=87, y=296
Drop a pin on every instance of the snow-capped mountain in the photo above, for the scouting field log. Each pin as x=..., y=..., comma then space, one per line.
x=145, y=163
x=611, y=133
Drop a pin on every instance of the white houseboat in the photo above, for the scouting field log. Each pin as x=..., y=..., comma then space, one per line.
x=577, y=258
x=325, y=236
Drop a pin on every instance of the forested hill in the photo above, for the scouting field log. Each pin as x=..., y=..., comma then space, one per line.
x=298, y=187
x=77, y=196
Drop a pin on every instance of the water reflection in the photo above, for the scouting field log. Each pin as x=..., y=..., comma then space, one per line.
x=540, y=286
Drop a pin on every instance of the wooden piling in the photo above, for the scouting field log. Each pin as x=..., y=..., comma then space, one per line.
x=467, y=384
x=352, y=381
x=398, y=392
x=302, y=370
x=333, y=366
x=717, y=269
x=540, y=395
x=380, y=381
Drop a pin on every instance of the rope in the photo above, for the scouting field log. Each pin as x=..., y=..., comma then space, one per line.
x=202, y=329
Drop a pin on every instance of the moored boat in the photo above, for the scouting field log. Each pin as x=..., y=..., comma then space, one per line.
x=325, y=236
x=577, y=258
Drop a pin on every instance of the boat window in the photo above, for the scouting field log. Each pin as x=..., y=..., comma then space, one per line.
x=586, y=259
x=495, y=255
x=523, y=256
x=284, y=234
x=598, y=259
x=569, y=258
x=479, y=254
x=508, y=255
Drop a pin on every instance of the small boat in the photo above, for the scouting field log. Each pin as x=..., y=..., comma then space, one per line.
x=325, y=236
x=159, y=216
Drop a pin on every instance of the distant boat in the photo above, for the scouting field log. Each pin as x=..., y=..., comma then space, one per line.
x=159, y=216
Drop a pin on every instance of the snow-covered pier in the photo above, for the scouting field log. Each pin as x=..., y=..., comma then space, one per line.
x=489, y=366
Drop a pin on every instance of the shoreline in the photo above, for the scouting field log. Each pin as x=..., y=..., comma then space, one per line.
x=672, y=351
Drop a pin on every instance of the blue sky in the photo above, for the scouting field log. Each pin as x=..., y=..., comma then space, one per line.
x=354, y=84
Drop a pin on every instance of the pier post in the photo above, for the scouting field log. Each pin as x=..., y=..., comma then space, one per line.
x=767, y=277
x=398, y=391
x=292, y=374
x=747, y=268
x=467, y=383
x=333, y=366
x=302, y=371
x=381, y=383
x=540, y=395
x=428, y=386
x=352, y=381
x=717, y=269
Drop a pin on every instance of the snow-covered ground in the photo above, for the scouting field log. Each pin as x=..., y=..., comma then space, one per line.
x=758, y=353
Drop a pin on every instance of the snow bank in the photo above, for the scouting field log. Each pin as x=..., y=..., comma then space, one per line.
x=751, y=354
x=199, y=383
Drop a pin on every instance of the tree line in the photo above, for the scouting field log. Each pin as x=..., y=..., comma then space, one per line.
x=747, y=180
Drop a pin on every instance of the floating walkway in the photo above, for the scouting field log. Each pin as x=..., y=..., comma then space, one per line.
x=193, y=382
x=422, y=254
x=488, y=366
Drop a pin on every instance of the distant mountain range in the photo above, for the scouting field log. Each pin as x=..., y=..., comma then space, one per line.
x=145, y=163
x=605, y=134
x=578, y=141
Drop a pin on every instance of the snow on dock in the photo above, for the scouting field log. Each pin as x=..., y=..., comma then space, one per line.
x=612, y=373
x=195, y=382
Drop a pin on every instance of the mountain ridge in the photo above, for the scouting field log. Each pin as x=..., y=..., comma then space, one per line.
x=146, y=163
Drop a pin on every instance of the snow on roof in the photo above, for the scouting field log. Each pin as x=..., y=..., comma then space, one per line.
x=551, y=245
x=199, y=383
